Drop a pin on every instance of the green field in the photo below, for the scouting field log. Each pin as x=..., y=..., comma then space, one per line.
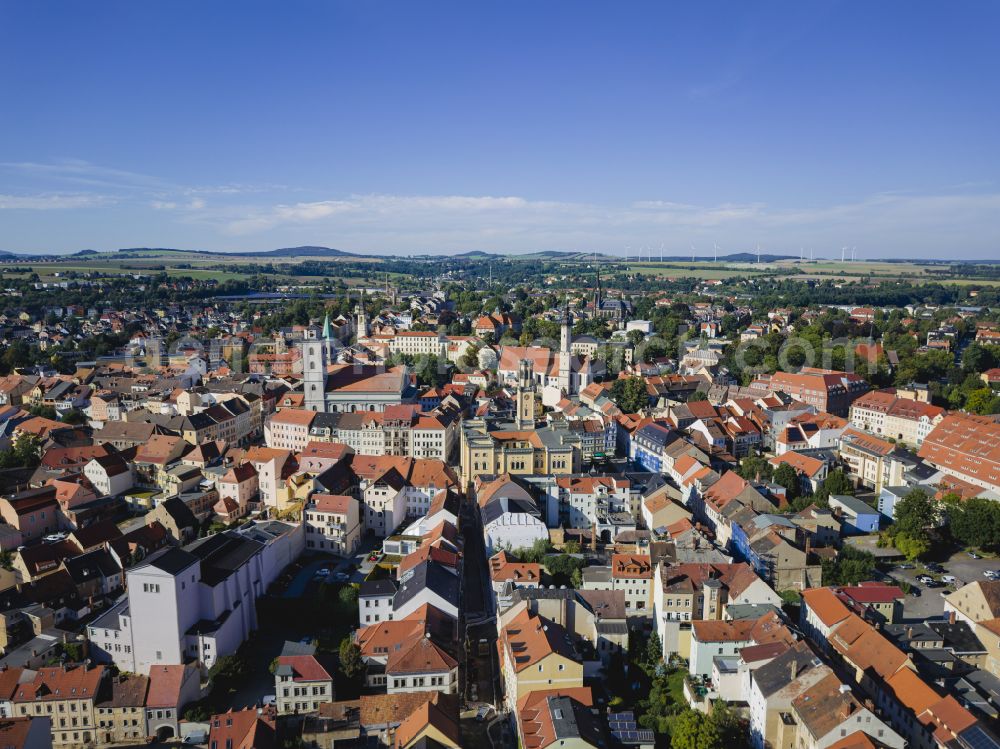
x=204, y=266
x=704, y=270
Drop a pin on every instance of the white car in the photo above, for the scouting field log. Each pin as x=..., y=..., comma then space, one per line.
x=53, y=538
x=949, y=579
x=925, y=579
x=991, y=574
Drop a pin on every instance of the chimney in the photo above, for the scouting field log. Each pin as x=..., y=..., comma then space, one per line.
x=951, y=617
x=794, y=667
x=909, y=633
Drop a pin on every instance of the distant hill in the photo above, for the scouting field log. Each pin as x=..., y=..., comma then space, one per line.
x=306, y=251
x=569, y=255
x=751, y=257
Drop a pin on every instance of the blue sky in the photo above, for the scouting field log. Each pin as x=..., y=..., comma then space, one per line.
x=516, y=126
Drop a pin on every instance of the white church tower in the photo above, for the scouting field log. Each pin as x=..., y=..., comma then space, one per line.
x=314, y=363
x=362, y=325
x=565, y=355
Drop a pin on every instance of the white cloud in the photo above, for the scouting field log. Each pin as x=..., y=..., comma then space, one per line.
x=885, y=223
x=50, y=202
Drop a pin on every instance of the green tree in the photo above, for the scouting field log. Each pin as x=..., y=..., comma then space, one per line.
x=974, y=522
x=693, y=729
x=348, y=597
x=849, y=568
x=230, y=668
x=534, y=553
x=562, y=568
x=982, y=401
x=74, y=417
x=914, y=515
x=25, y=452
x=654, y=650
x=911, y=548
x=836, y=482
x=630, y=394
x=727, y=725
x=788, y=477
x=754, y=467
x=351, y=664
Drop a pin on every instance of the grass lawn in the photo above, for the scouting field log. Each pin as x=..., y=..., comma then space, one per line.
x=675, y=684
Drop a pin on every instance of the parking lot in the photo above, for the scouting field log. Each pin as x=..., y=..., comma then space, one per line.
x=930, y=603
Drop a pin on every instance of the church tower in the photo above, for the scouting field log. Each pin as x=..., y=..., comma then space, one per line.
x=314, y=361
x=525, y=396
x=565, y=344
x=362, y=316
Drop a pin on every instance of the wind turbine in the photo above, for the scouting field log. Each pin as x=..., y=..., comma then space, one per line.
x=800, y=254
x=716, y=252
x=854, y=254
x=661, y=252
x=758, y=253
x=842, y=251
x=692, y=253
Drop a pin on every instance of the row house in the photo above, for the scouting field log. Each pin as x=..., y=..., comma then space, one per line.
x=685, y=593
x=904, y=420
x=630, y=573
x=333, y=524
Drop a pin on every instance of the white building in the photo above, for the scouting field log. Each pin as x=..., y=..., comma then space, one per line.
x=110, y=475
x=197, y=602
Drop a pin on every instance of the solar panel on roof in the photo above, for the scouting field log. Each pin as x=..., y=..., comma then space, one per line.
x=623, y=725
x=976, y=737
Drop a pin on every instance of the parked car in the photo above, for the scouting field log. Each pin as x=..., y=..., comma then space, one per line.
x=322, y=572
x=949, y=579
x=906, y=566
x=974, y=555
x=483, y=713
x=341, y=577
x=915, y=591
x=53, y=538
x=925, y=579
x=934, y=567
x=991, y=574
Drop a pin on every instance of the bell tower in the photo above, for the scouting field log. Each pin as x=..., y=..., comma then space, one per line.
x=362, y=324
x=525, y=396
x=314, y=363
x=565, y=346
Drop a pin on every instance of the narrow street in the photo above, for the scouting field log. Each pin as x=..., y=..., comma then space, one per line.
x=479, y=656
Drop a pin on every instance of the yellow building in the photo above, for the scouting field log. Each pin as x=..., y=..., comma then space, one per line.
x=536, y=654
x=66, y=696
x=120, y=715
